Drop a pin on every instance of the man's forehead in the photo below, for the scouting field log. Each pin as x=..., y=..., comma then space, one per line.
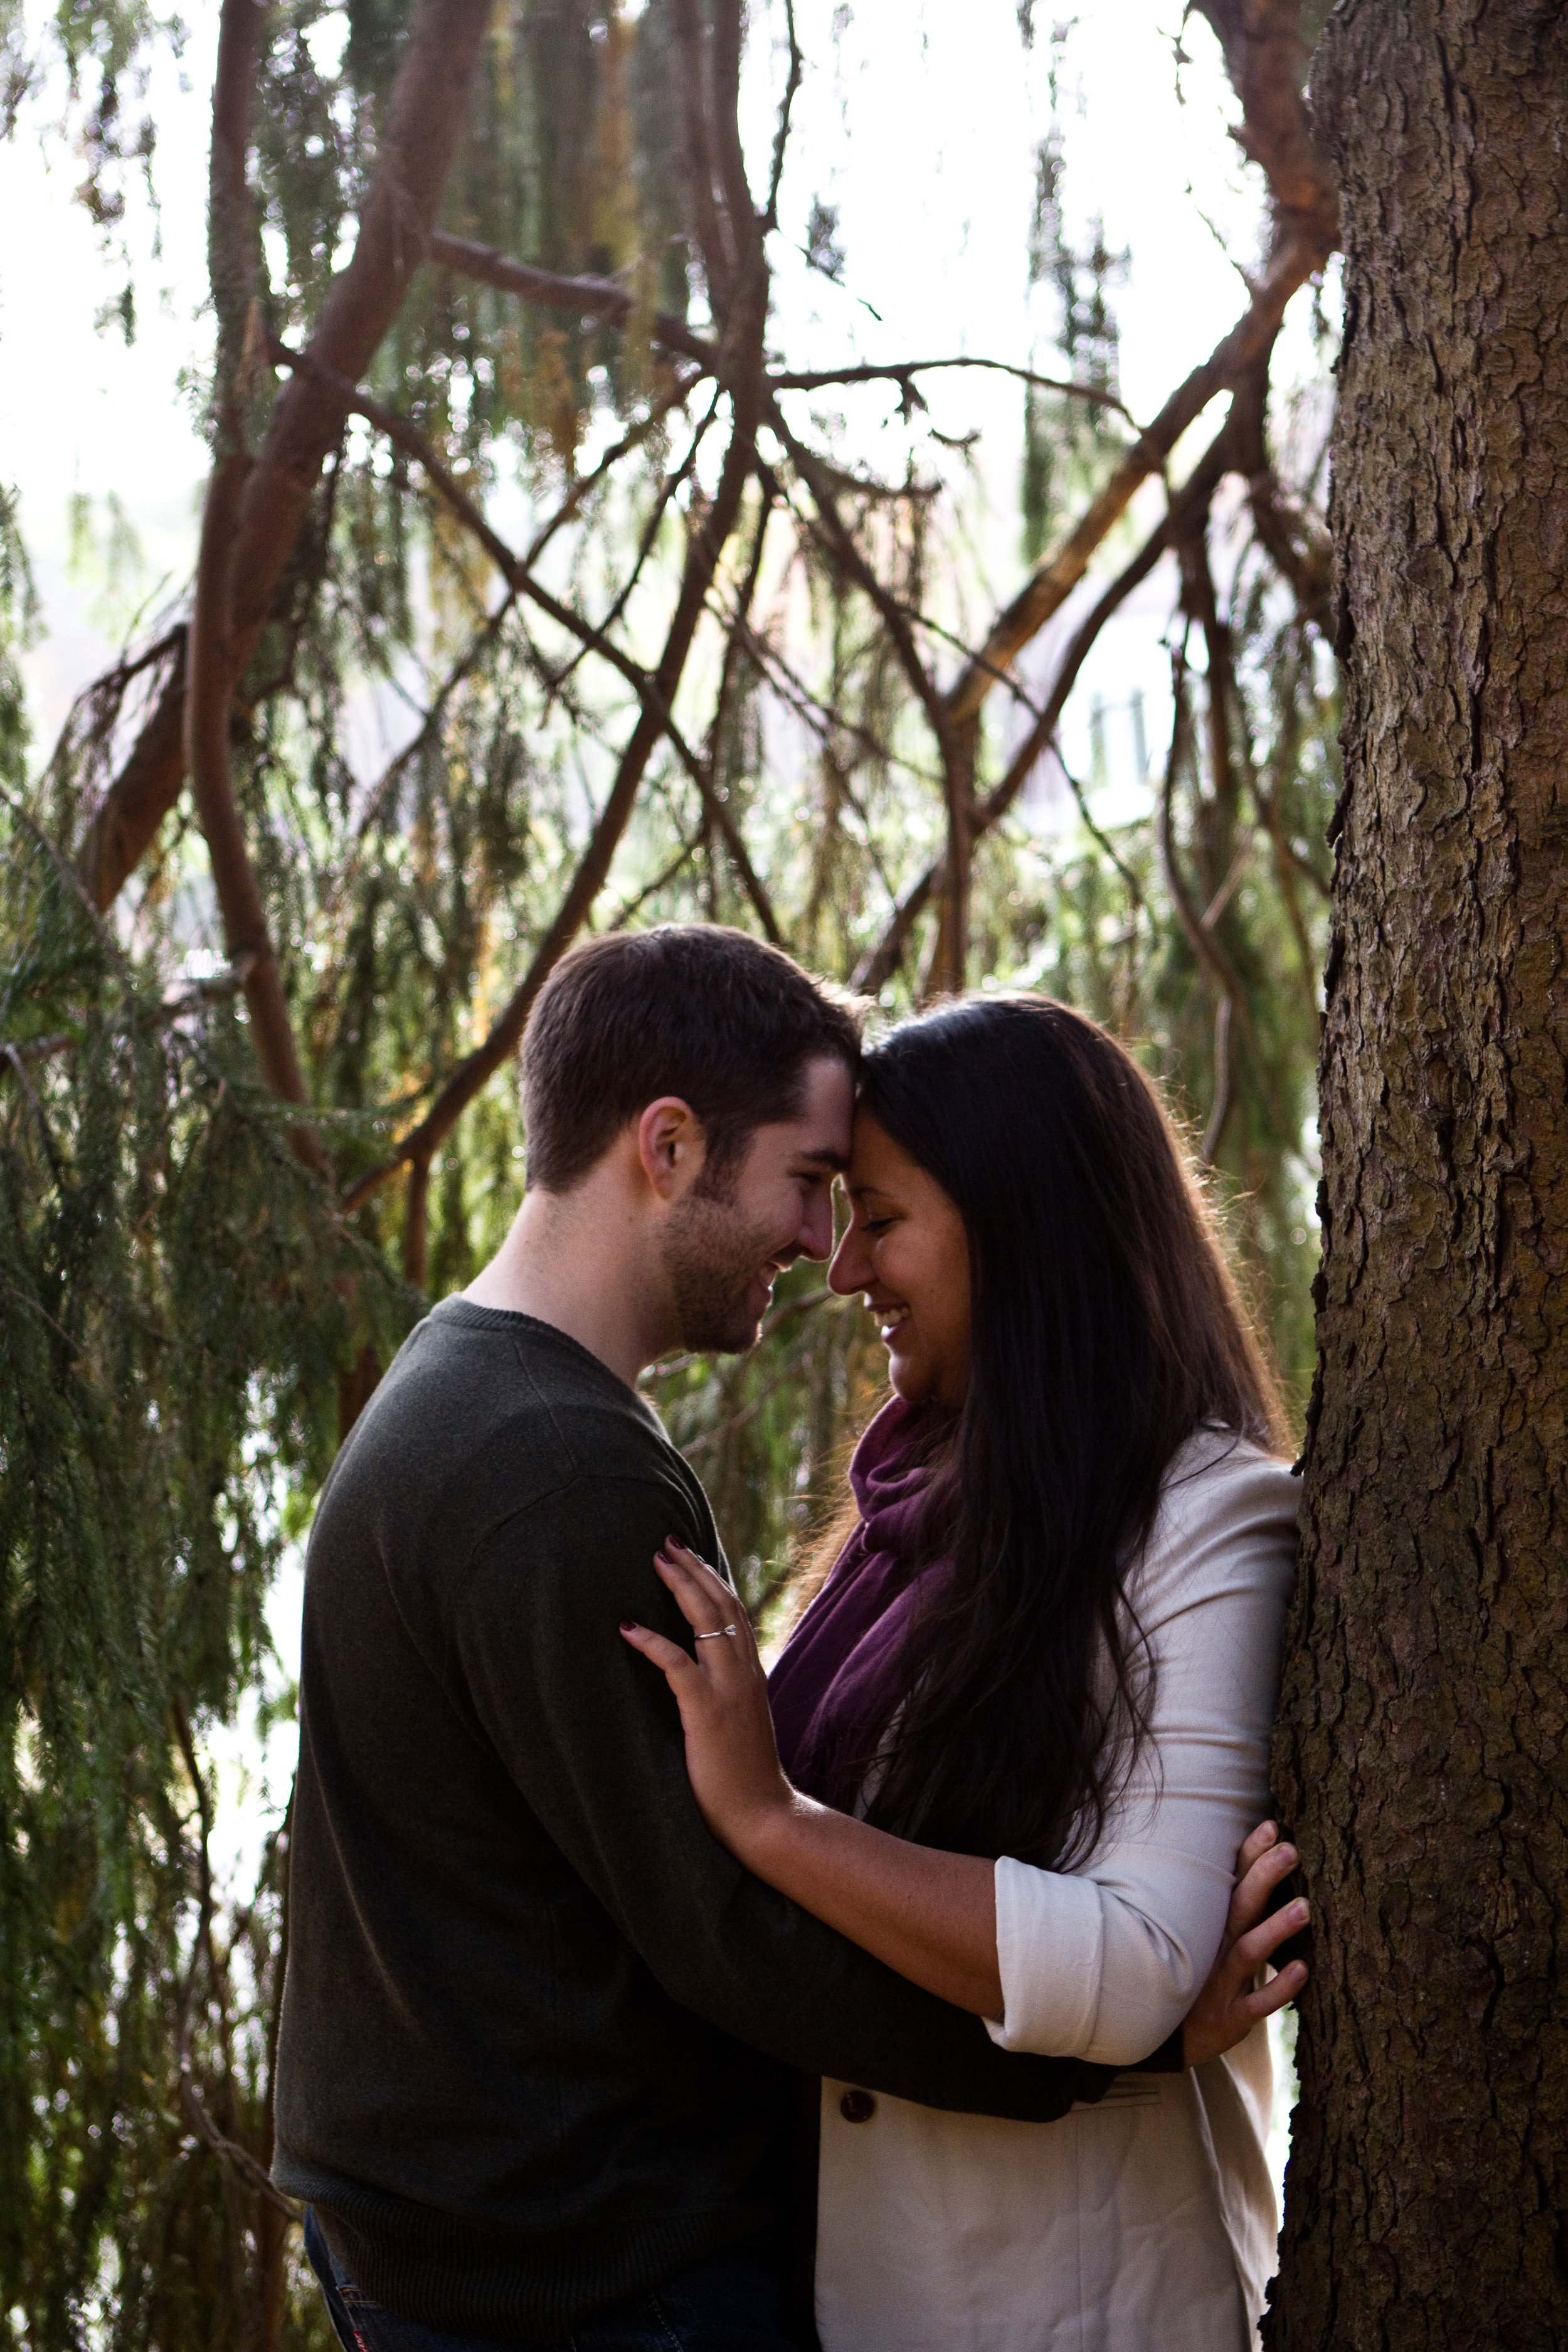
x=820, y=1131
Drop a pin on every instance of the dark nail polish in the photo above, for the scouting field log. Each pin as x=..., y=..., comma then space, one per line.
x=628, y=1625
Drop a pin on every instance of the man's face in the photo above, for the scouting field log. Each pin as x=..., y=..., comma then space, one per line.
x=723, y=1250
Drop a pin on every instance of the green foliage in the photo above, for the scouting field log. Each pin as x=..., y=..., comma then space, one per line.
x=177, y=1295
x=18, y=623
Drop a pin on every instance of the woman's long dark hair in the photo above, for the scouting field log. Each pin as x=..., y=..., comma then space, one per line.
x=1106, y=1328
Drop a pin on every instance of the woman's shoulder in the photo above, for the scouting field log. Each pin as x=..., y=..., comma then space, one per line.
x=1215, y=1462
x=1227, y=1508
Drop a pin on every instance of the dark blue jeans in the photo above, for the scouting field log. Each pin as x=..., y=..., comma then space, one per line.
x=730, y=2303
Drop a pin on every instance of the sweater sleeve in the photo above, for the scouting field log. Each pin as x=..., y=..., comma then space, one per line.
x=1102, y=1961
x=590, y=1735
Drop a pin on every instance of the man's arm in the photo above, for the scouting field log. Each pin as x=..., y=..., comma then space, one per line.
x=594, y=1742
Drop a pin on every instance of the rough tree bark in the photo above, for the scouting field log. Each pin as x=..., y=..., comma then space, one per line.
x=1421, y=1750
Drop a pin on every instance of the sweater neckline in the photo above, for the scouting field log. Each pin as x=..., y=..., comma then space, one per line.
x=470, y=1315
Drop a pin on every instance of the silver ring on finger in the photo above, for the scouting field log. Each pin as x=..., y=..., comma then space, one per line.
x=718, y=1634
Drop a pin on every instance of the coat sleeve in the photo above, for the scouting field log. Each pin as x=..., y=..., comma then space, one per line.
x=590, y=1735
x=1102, y=1961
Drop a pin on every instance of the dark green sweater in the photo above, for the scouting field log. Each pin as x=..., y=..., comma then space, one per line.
x=537, y=2025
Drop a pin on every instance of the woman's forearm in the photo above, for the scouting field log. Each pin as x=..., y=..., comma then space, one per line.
x=932, y=1915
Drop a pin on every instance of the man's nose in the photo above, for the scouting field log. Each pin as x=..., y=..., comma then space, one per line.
x=816, y=1236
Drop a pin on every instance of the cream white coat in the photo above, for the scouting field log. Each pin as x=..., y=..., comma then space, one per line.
x=1146, y=2223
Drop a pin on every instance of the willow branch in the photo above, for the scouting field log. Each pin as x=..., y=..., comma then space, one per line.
x=229, y=2151
x=787, y=104
x=521, y=582
x=648, y=536
x=467, y=660
x=1219, y=1114
x=879, y=965
x=211, y=655
x=1200, y=601
x=727, y=41
x=717, y=808
x=1265, y=58
x=903, y=371
x=586, y=484
x=13, y=1054
x=662, y=881
x=840, y=541
x=425, y=117
x=584, y=298
x=1206, y=948
x=702, y=556
x=689, y=61
x=1294, y=538
x=1283, y=759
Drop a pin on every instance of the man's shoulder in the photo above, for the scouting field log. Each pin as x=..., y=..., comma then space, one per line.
x=485, y=1413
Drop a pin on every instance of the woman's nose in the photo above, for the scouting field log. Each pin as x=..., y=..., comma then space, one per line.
x=850, y=1270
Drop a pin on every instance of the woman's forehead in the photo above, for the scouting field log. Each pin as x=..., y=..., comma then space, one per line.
x=875, y=1159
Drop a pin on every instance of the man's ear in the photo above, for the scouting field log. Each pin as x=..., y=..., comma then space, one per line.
x=670, y=1145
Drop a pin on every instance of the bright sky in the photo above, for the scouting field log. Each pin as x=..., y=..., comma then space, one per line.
x=919, y=124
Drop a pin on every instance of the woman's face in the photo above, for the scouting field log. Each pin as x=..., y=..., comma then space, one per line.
x=907, y=1250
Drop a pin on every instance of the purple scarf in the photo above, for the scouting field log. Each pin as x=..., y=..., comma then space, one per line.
x=836, y=1683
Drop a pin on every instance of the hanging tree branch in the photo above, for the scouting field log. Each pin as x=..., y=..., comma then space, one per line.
x=209, y=662
x=706, y=547
x=426, y=116
x=878, y=965
x=713, y=235
x=1266, y=59
x=520, y=580
x=584, y=298
x=1198, y=932
x=903, y=371
x=741, y=369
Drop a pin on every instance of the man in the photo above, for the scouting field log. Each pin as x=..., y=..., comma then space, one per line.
x=534, y=2073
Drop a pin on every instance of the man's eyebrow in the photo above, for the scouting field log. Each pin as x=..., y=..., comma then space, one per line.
x=825, y=1157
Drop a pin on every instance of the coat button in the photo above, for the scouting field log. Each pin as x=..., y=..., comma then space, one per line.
x=856, y=2106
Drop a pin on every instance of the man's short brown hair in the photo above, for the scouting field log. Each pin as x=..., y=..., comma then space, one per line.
x=689, y=1009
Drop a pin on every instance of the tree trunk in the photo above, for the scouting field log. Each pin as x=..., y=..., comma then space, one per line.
x=1420, y=1755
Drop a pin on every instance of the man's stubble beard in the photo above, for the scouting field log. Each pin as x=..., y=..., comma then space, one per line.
x=713, y=1260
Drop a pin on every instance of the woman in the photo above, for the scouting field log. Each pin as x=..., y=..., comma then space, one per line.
x=1024, y=1725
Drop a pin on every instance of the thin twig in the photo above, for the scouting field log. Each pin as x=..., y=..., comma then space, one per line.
x=881, y=961
x=650, y=529
x=228, y=2150
x=1208, y=950
x=587, y=298
x=902, y=372
x=586, y=483
x=1213, y=1134
x=743, y=343
x=781, y=136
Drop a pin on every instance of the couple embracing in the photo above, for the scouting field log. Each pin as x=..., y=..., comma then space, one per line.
x=601, y=1941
